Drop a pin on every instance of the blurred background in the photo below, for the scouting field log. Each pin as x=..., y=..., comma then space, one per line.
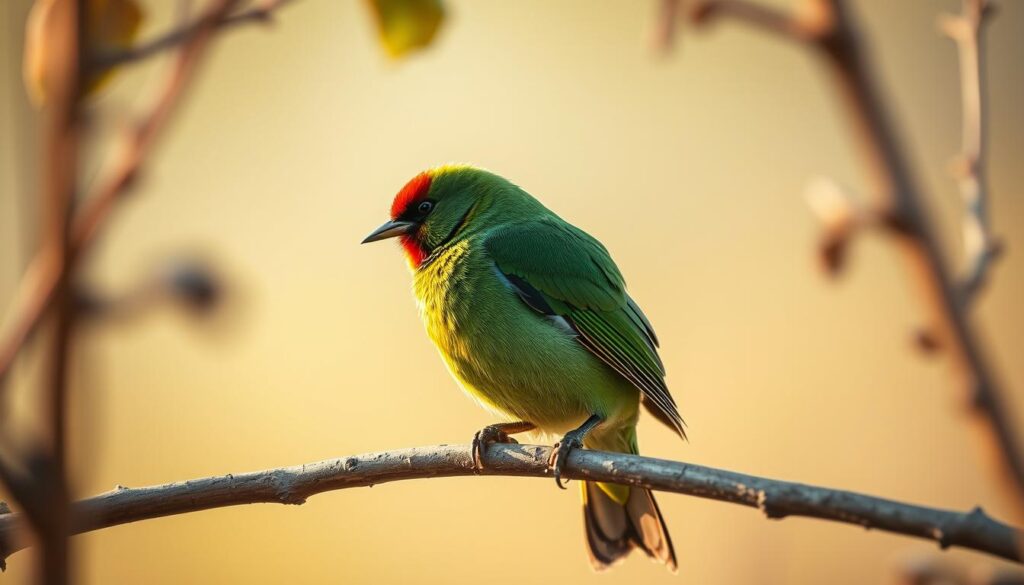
x=690, y=167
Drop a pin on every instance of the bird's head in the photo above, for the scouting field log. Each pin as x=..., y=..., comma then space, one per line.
x=440, y=204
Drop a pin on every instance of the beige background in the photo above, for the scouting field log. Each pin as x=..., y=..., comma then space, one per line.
x=689, y=168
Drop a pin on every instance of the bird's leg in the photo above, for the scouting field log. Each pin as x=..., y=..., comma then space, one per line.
x=573, y=439
x=496, y=433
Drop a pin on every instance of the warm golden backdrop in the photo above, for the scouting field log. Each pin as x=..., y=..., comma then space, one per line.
x=689, y=168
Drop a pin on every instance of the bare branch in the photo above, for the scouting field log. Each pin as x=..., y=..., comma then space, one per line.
x=665, y=28
x=807, y=26
x=38, y=481
x=776, y=499
x=933, y=569
x=898, y=194
x=263, y=12
x=900, y=206
x=35, y=291
x=980, y=246
x=40, y=487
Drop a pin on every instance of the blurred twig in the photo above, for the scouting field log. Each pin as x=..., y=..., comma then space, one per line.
x=36, y=288
x=35, y=291
x=808, y=26
x=829, y=28
x=980, y=246
x=191, y=284
x=932, y=570
x=665, y=25
x=37, y=477
x=776, y=499
x=262, y=12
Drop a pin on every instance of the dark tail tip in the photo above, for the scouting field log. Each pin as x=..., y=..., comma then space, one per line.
x=613, y=529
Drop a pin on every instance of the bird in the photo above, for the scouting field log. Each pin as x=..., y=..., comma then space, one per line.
x=532, y=318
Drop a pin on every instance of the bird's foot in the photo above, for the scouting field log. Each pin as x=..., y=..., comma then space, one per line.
x=560, y=454
x=484, y=437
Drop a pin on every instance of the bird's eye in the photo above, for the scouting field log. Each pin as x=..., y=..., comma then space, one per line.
x=425, y=207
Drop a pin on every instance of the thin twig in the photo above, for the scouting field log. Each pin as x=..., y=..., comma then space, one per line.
x=263, y=12
x=35, y=291
x=776, y=499
x=52, y=272
x=665, y=25
x=933, y=569
x=900, y=205
x=897, y=192
x=808, y=26
x=980, y=246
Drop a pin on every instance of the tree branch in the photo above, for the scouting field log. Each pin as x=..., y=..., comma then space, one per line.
x=901, y=208
x=980, y=246
x=40, y=485
x=35, y=291
x=776, y=499
x=263, y=12
x=43, y=493
x=897, y=192
x=808, y=26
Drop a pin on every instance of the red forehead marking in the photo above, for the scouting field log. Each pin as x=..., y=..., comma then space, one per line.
x=413, y=191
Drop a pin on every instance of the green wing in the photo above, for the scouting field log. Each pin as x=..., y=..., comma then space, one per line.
x=559, y=270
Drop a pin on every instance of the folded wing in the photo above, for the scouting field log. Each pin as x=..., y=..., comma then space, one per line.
x=559, y=270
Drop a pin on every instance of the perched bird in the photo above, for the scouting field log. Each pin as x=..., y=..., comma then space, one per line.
x=532, y=318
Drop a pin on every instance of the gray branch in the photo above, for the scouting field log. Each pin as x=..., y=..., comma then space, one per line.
x=293, y=485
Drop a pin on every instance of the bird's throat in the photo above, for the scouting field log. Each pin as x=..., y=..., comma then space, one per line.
x=414, y=250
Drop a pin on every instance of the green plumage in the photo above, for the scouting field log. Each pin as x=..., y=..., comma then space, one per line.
x=532, y=318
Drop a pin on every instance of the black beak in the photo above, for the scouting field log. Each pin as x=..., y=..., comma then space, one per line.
x=390, y=230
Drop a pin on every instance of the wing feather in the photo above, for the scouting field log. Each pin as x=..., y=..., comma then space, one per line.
x=559, y=270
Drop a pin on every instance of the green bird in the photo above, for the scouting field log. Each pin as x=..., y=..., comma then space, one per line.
x=532, y=318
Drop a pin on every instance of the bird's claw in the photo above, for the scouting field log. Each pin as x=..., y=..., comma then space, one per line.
x=560, y=454
x=484, y=437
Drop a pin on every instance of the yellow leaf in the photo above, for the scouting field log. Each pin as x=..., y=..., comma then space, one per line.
x=406, y=25
x=110, y=25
